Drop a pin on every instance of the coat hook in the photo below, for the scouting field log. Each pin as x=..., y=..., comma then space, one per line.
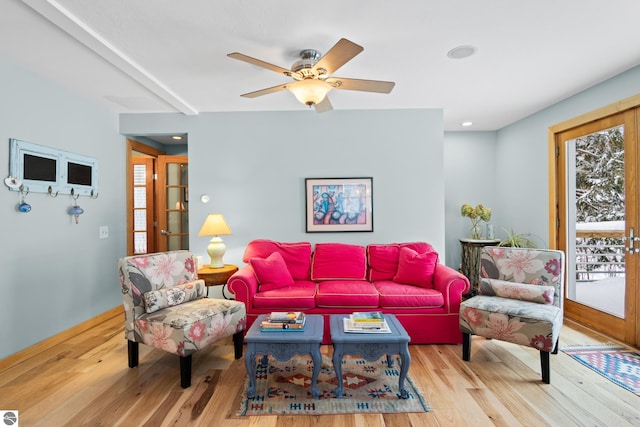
x=50, y=192
x=92, y=195
x=73, y=195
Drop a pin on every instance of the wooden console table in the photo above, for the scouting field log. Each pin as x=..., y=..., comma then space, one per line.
x=470, y=265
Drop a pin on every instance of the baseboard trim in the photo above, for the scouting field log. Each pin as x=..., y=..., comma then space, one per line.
x=58, y=338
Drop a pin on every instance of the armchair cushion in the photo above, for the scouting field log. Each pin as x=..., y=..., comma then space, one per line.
x=271, y=272
x=169, y=297
x=186, y=328
x=416, y=269
x=338, y=261
x=519, y=322
x=534, y=293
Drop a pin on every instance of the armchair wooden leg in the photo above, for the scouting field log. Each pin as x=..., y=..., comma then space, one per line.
x=466, y=347
x=544, y=366
x=133, y=353
x=185, y=371
x=556, y=347
x=237, y=344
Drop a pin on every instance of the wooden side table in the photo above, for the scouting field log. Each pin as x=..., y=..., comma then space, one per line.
x=217, y=276
x=470, y=266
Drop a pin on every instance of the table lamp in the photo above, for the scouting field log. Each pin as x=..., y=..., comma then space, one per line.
x=215, y=225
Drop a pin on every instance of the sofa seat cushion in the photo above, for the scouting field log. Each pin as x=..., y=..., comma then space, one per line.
x=347, y=293
x=185, y=328
x=398, y=295
x=298, y=297
x=383, y=258
x=296, y=255
x=338, y=261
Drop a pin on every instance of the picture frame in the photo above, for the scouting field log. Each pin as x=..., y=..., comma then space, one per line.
x=339, y=204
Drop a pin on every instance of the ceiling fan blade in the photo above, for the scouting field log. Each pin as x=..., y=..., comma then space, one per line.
x=361, y=85
x=325, y=105
x=259, y=63
x=341, y=53
x=266, y=91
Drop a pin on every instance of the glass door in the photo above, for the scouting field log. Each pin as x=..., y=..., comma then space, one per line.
x=173, y=203
x=600, y=187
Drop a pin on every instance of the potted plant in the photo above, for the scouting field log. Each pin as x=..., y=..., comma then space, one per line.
x=517, y=240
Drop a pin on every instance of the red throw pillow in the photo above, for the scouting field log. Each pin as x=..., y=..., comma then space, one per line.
x=416, y=269
x=383, y=258
x=271, y=272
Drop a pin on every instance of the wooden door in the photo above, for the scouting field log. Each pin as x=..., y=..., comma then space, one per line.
x=142, y=207
x=602, y=247
x=172, y=190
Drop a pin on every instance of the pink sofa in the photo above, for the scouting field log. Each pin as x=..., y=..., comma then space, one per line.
x=404, y=279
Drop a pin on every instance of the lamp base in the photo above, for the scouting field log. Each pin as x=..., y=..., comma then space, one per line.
x=216, y=250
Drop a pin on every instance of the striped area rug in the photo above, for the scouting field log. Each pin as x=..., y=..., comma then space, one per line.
x=618, y=364
x=284, y=388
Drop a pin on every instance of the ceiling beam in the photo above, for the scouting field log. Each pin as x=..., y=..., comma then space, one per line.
x=72, y=25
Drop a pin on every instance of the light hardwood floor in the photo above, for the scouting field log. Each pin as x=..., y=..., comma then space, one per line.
x=84, y=380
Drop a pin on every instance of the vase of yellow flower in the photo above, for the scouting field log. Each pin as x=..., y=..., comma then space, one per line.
x=477, y=214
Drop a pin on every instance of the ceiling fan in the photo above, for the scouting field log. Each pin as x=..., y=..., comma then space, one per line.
x=312, y=75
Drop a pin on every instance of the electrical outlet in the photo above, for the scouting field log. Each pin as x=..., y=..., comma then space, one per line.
x=104, y=232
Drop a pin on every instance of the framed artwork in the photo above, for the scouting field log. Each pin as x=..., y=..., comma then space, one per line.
x=339, y=204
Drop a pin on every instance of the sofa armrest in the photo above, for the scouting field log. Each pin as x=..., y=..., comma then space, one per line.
x=452, y=284
x=244, y=285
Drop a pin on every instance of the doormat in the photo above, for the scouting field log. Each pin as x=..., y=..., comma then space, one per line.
x=618, y=364
x=284, y=388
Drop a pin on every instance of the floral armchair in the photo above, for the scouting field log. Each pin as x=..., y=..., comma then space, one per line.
x=165, y=307
x=519, y=301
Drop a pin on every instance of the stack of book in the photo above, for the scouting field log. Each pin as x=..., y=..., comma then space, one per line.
x=366, y=322
x=283, y=320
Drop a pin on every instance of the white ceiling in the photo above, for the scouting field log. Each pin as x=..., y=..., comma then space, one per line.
x=170, y=56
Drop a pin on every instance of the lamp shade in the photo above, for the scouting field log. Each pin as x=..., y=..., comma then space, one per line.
x=214, y=225
x=310, y=91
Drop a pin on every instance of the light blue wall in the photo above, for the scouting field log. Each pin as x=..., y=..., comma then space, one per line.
x=54, y=273
x=253, y=166
x=522, y=185
x=508, y=170
x=470, y=177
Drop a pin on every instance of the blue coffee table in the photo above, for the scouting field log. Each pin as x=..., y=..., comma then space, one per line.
x=283, y=345
x=370, y=346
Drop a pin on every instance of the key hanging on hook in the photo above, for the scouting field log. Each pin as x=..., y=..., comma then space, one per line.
x=75, y=211
x=23, y=206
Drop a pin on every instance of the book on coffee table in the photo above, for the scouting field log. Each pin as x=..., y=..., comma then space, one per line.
x=285, y=317
x=294, y=322
x=373, y=319
x=353, y=327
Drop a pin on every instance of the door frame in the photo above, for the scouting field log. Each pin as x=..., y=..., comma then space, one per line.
x=145, y=149
x=624, y=329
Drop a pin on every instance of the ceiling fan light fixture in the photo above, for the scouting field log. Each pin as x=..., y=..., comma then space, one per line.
x=310, y=91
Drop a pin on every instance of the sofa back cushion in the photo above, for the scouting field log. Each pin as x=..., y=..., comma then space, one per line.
x=271, y=272
x=338, y=261
x=383, y=258
x=296, y=255
x=416, y=268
